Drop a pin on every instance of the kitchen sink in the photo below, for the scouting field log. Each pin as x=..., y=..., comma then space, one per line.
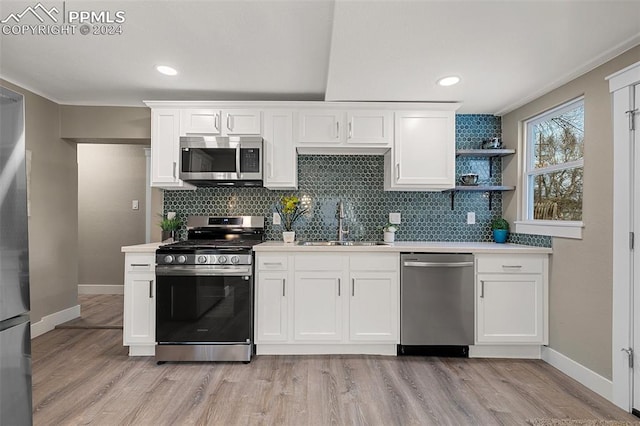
x=340, y=243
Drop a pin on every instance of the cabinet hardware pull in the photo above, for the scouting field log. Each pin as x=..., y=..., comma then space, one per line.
x=338, y=286
x=398, y=171
x=150, y=289
x=283, y=284
x=228, y=121
x=337, y=129
x=270, y=169
x=174, y=169
x=272, y=263
x=140, y=264
x=438, y=264
x=350, y=129
x=353, y=286
x=512, y=266
x=482, y=289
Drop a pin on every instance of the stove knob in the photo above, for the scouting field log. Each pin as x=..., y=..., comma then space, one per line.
x=202, y=259
x=182, y=259
x=235, y=259
x=168, y=259
x=222, y=259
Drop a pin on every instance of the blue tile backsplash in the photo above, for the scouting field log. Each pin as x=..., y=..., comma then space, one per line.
x=357, y=180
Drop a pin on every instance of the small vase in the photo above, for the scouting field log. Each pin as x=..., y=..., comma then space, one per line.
x=500, y=235
x=169, y=236
x=288, y=236
x=389, y=237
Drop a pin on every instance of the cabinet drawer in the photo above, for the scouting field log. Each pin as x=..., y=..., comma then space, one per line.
x=140, y=262
x=523, y=264
x=374, y=262
x=272, y=263
x=319, y=262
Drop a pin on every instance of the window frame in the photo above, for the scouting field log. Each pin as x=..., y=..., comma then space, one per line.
x=526, y=224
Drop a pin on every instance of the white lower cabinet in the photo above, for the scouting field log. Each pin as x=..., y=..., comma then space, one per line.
x=373, y=306
x=511, y=299
x=320, y=303
x=272, y=307
x=139, y=327
x=318, y=306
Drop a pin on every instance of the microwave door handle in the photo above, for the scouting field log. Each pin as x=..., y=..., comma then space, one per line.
x=238, y=161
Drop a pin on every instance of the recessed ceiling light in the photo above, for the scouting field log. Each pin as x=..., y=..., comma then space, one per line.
x=166, y=70
x=449, y=80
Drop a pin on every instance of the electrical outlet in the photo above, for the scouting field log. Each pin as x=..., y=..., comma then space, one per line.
x=394, y=218
x=276, y=219
x=471, y=218
x=135, y=205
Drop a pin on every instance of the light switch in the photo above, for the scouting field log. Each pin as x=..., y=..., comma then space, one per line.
x=276, y=218
x=394, y=218
x=135, y=205
x=471, y=218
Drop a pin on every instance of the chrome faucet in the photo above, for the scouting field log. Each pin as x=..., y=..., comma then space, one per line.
x=340, y=215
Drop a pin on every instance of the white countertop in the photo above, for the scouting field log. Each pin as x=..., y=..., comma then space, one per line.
x=141, y=248
x=409, y=246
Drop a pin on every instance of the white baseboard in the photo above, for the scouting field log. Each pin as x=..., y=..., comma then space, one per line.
x=100, y=289
x=578, y=372
x=49, y=322
x=505, y=351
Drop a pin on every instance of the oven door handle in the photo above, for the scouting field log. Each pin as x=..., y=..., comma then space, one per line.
x=192, y=272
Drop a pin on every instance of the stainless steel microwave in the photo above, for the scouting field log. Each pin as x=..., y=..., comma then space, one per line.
x=221, y=161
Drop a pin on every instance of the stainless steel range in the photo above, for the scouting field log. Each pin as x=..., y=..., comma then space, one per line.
x=204, y=303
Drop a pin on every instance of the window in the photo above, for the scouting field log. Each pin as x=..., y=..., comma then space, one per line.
x=553, y=172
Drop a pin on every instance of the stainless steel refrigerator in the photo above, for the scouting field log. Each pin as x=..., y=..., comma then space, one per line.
x=15, y=335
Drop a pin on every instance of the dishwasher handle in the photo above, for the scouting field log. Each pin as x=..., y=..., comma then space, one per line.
x=438, y=264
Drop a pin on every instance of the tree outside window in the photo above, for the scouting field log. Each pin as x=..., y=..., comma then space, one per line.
x=555, y=164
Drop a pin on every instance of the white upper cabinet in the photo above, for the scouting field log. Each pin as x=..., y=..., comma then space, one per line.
x=226, y=122
x=321, y=127
x=344, y=131
x=423, y=154
x=281, y=160
x=370, y=127
x=165, y=149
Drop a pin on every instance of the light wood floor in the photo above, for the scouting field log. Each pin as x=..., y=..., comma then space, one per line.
x=84, y=376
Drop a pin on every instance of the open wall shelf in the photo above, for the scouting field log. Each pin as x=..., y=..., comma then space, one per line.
x=490, y=189
x=485, y=153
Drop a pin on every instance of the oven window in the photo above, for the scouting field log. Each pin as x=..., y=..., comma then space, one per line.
x=208, y=160
x=192, y=309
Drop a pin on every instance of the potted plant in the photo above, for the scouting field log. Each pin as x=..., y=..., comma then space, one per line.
x=290, y=211
x=169, y=226
x=389, y=232
x=500, y=228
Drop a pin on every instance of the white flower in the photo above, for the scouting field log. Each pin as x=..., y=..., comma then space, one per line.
x=171, y=215
x=391, y=228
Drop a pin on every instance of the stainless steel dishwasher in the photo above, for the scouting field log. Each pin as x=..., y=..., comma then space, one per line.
x=437, y=304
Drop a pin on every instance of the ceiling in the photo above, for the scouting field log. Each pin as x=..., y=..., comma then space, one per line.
x=506, y=52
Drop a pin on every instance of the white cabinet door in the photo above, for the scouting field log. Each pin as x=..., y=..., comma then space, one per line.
x=200, y=122
x=139, y=322
x=213, y=121
x=509, y=308
x=165, y=149
x=271, y=307
x=374, y=307
x=423, y=154
x=318, y=306
x=242, y=122
x=370, y=127
x=321, y=126
x=281, y=160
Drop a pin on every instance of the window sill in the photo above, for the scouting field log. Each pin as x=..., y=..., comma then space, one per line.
x=553, y=228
